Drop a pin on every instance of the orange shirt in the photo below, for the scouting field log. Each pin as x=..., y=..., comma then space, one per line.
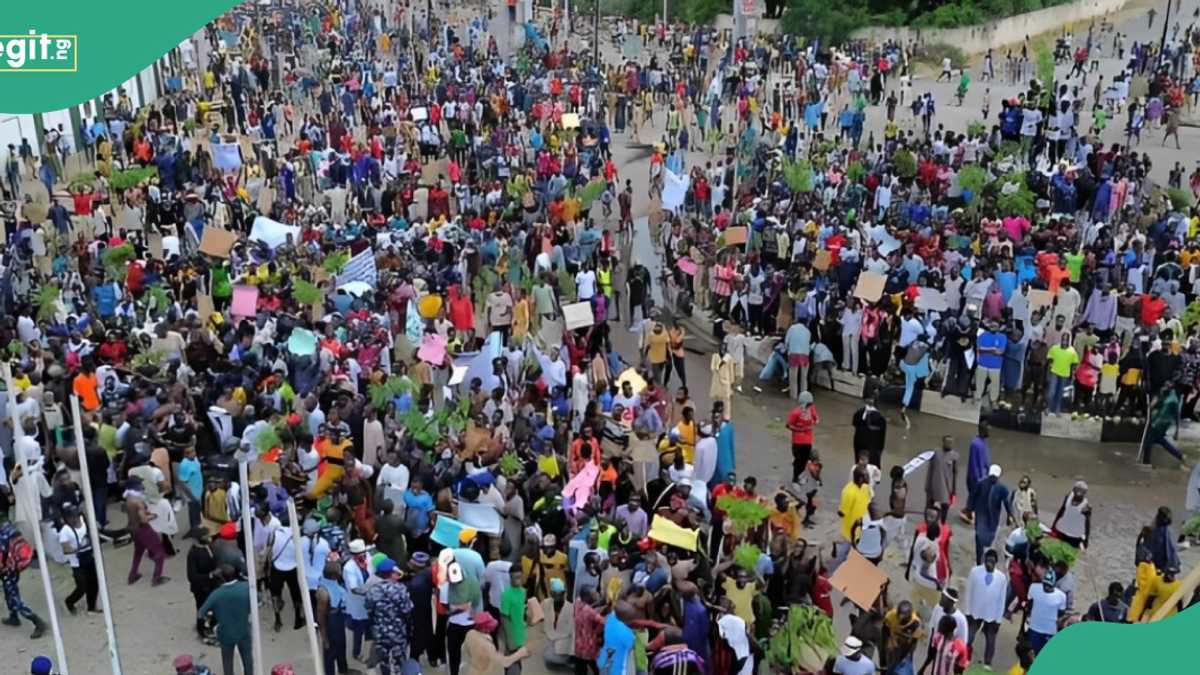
x=87, y=388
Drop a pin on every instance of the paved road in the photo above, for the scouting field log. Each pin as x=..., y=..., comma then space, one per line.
x=154, y=626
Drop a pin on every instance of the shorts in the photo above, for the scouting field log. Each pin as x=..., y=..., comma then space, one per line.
x=797, y=360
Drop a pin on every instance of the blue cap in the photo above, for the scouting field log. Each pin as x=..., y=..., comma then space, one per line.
x=42, y=665
x=386, y=566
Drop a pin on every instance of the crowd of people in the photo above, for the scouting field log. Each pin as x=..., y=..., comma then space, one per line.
x=381, y=271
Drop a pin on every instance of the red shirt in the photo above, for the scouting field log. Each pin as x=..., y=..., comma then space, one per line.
x=1152, y=309
x=801, y=421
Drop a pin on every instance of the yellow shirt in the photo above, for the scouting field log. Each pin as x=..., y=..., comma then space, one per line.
x=687, y=439
x=743, y=601
x=853, y=506
x=1016, y=670
x=657, y=343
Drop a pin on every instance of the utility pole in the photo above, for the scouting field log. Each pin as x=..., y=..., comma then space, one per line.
x=1162, y=43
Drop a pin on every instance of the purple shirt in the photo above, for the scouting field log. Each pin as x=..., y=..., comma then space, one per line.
x=978, y=461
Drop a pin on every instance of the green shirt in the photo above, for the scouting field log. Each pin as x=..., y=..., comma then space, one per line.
x=1075, y=266
x=543, y=299
x=230, y=603
x=512, y=616
x=107, y=439
x=1061, y=359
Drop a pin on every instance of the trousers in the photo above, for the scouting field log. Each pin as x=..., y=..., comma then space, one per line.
x=12, y=596
x=244, y=648
x=335, y=654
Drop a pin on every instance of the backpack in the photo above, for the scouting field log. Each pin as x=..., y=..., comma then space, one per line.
x=17, y=555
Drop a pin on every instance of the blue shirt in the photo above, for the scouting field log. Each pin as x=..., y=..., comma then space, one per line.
x=992, y=340
x=189, y=473
x=618, y=642
x=419, y=507
x=798, y=339
x=105, y=297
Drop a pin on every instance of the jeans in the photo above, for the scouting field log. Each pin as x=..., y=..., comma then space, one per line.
x=850, y=352
x=1054, y=394
x=990, y=628
x=244, y=650
x=1153, y=439
x=359, y=628
x=774, y=368
x=335, y=654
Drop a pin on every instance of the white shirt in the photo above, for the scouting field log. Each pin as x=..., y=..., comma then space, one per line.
x=1029, y=122
x=352, y=578
x=985, y=599
x=705, y=457
x=960, y=622
x=77, y=538
x=315, y=556
x=1043, y=617
x=585, y=284
x=262, y=533
x=733, y=629
x=395, y=477
x=495, y=577
x=283, y=550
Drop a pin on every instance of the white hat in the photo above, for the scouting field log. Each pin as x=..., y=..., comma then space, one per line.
x=358, y=546
x=994, y=470
x=851, y=646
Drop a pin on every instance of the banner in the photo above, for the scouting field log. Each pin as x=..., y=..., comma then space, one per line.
x=227, y=156
x=360, y=268
x=675, y=187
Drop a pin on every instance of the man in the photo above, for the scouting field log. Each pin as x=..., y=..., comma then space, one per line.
x=230, y=604
x=948, y=607
x=1164, y=416
x=990, y=345
x=941, y=478
x=978, y=461
x=901, y=632
x=992, y=500
x=870, y=431
x=329, y=611
x=390, y=610
x=987, y=593
x=798, y=340
x=1046, y=606
x=76, y=542
x=1111, y=609
x=856, y=496
x=851, y=660
x=10, y=573
x=145, y=538
x=559, y=624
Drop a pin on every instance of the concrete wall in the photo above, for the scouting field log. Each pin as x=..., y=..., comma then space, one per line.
x=978, y=39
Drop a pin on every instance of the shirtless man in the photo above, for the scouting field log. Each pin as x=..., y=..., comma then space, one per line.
x=145, y=539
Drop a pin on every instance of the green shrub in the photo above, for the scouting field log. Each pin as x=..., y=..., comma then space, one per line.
x=933, y=54
x=905, y=164
x=1180, y=199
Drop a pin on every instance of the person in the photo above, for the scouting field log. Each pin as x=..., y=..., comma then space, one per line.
x=987, y=597
x=941, y=478
x=559, y=625
x=851, y=660
x=482, y=657
x=801, y=421
x=15, y=554
x=856, y=496
x=992, y=501
x=329, y=611
x=1047, y=605
x=947, y=654
x=902, y=630
x=76, y=542
x=201, y=574
x=145, y=539
x=512, y=610
x=230, y=605
x=283, y=570
x=1063, y=359
x=978, y=461
x=390, y=610
x=870, y=431
x=1164, y=415
x=1073, y=522
x=1110, y=609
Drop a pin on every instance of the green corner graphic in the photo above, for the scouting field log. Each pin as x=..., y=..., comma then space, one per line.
x=1093, y=647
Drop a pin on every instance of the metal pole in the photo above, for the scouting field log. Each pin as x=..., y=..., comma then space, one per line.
x=1162, y=43
x=251, y=572
x=596, y=36
x=33, y=505
x=314, y=644
x=114, y=654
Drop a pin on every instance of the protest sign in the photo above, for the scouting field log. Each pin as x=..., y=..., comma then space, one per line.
x=1039, y=298
x=859, y=579
x=446, y=530
x=245, y=301
x=217, y=242
x=273, y=233
x=227, y=156
x=170, y=246
x=204, y=307
x=433, y=349
x=686, y=266
x=570, y=121
x=735, y=236
x=667, y=532
x=870, y=286
x=302, y=342
x=482, y=517
x=360, y=268
x=578, y=315
x=931, y=300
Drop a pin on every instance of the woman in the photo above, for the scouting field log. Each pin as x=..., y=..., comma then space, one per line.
x=479, y=649
x=76, y=543
x=852, y=318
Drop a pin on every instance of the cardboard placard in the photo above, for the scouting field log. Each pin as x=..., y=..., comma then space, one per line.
x=870, y=286
x=217, y=242
x=667, y=532
x=735, y=236
x=931, y=300
x=154, y=241
x=633, y=378
x=859, y=579
x=245, y=301
x=823, y=260
x=433, y=349
x=204, y=307
x=570, y=120
x=578, y=315
x=1039, y=298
